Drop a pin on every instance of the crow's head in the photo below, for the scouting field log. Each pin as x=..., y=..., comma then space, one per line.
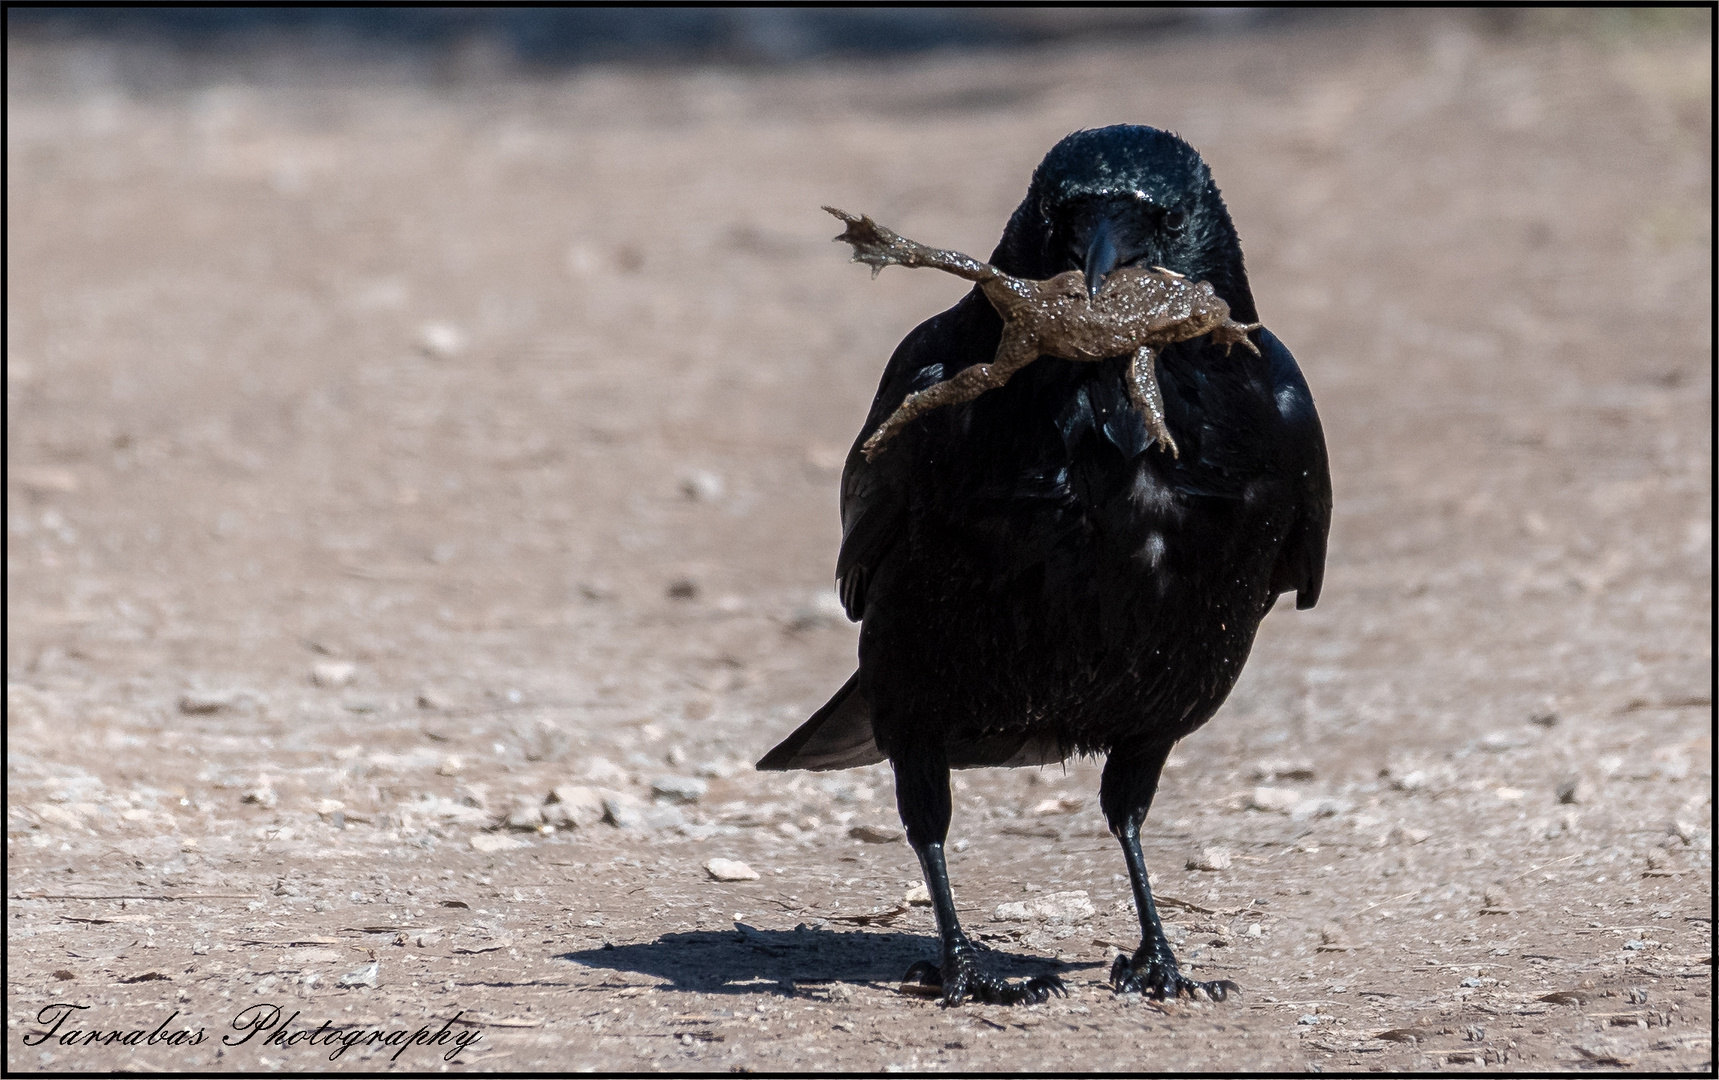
x=1121, y=196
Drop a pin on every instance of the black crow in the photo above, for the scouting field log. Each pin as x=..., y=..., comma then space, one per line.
x=1036, y=578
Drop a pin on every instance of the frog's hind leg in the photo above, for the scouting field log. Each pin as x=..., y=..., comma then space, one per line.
x=879, y=247
x=1143, y=388
x=969, y=383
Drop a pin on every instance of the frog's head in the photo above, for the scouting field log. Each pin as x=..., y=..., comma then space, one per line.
x=1124, y=196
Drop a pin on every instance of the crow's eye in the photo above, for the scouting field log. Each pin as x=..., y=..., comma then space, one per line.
x=1173, y=221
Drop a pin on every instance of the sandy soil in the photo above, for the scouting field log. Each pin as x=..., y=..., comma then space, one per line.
x=383, y=454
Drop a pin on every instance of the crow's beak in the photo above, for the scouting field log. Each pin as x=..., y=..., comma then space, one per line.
x=1101, y=257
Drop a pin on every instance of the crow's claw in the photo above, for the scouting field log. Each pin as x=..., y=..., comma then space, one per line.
x=970, y=981
x=1153, y=977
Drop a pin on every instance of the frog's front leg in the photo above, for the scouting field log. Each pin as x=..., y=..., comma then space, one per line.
x=1012, y=355
x=1235, y=333
x=1143, y=388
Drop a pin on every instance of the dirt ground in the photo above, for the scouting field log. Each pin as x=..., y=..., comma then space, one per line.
x=385, y=453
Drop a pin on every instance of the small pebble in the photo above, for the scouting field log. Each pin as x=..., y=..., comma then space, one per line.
x=1059, y=907
x=918, y=896
x=623, y=811
x=682, y=588
x=574, y=805
x=730, y=870
x=662, y=816
x=204, y=702
x=1066, y=804
x=1319, y=808
x=1212, y=858
x=600, y=770
x=525, y=814
x=821, y=611
x=493, y=842
x=364, y=976
x=431, y=698
x=1283, y=770
x=263, y=796
x=875, y=834
x=333, y=673
x=679, y=789
x=596, y=589
x=444, y=341
x=1280, y=800
x=701, y=485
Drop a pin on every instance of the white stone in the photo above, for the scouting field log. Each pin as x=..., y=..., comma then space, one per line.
x=679, y=789
x=333, y=673
x=1059, y=907
x=1279, y=800
x=444, y=341
x=730, y=870
x=574, y=805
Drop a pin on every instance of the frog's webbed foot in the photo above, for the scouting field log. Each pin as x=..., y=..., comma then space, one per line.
x=1143, y=389
x=965, y=385
x=1235, y=333
x=879, y=247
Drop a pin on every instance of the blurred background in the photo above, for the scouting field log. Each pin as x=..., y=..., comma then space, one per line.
x=459, y=42
x=471, y=385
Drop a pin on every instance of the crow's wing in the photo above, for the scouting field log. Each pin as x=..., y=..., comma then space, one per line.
x=874, y=493
x=1301, y=560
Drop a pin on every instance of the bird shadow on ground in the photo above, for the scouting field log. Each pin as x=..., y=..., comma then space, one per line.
x=749, y=960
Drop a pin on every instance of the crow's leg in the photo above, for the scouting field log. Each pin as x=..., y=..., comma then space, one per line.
x=922, y=796
x=1013, y=354
x=1143, y=388
x=1130, y=781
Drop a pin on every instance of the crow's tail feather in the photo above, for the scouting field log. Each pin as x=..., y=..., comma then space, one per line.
x=838, y=736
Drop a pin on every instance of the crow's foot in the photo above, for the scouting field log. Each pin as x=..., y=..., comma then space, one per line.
x=1156, y=976
x=970, y=981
